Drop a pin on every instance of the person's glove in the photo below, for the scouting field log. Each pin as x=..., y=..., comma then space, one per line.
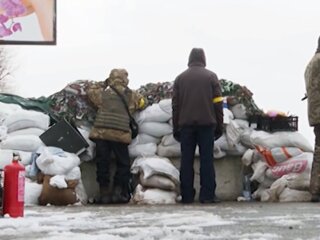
x=176, y=134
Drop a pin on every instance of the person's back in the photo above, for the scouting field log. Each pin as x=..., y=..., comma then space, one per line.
x=312, y=82
x=197, y=86
x=197, y=120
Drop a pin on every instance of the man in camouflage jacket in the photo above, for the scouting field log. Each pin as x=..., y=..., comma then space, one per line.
x=112, y=134
x=312, y=82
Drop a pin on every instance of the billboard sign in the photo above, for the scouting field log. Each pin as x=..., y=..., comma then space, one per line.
x=28, y=22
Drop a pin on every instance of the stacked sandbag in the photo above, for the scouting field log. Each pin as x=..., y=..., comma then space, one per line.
x=20, y=131
x=281, y=164
x=153, y=125
x=158, y=181
x=61, y=177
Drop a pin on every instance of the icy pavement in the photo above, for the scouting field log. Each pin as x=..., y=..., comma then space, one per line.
x=229, y=220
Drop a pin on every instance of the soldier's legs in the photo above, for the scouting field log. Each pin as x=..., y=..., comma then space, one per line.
x=121, y=193
x=103, y=158
x=315, y=171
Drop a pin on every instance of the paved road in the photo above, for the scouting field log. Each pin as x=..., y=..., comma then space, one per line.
x=230, y=220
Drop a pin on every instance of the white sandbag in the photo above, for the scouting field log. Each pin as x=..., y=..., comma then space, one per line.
x=277, y=155
x=233, y=133
x=298, y=164
x=148, y=149
x=256, y=195
x=239, y=111
x=153, y=196
x=27, y=131
x=169, y=151
x=166, y=105
x=242, y=123
x=265, y=196
x=267, y=182
x=54, y=162
x=28, y=143
x=259, y=170
x=245, y=138
x=143, y=138
x=173, y=150
x=237, y=150
x=6, y=109
x=26, y=118
x=156, y=129
x=247, y=157
x=3, y=132
x=280, y=139
x=58, y=181
x=6, y=156
x=292, y=195
x=73, y=174
x=232, y=150
x=155, y=166
x=299, y=181
x=32, y=191
x=152, y=113
x=218, y=153
x=276, y=189
x=227, y=116
x=158, y=181
x=168, y=140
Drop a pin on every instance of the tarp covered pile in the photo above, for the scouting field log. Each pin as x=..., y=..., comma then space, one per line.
x=151, y=150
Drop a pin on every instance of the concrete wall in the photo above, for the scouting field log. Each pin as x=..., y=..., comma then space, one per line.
x=229, y=173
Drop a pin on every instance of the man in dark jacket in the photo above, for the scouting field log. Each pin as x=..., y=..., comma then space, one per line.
x=312, y=82
x=197, y=120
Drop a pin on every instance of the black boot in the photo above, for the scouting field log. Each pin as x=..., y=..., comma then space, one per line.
x=121, y=194
x=105, y=195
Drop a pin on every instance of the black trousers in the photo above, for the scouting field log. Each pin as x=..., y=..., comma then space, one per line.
x=104, y=150
x=203, y=136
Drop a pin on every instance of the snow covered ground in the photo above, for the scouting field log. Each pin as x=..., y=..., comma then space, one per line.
x=216, y=221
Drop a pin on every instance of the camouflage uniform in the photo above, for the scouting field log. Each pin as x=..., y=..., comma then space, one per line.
x=312, y=82
x=112, y=134
x=118, y=79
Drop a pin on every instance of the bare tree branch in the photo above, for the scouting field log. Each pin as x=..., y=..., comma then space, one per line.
x=5, y=70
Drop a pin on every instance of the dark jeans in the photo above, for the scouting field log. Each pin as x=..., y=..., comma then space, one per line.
x=104, y=150
x=203, y=136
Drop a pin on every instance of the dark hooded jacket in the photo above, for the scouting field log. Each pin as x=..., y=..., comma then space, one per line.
x=197, y=97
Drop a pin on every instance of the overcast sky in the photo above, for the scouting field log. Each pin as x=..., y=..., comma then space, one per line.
x=262, y=44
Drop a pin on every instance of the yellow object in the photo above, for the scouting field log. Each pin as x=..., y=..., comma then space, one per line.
x=217, y=99
x=141, y=103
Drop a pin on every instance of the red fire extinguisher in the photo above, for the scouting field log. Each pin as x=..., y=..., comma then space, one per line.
x=13, y=188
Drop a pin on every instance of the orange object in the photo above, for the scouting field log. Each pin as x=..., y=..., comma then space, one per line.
x=13, y=188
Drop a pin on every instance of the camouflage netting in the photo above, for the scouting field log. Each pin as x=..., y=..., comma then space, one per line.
x=235, y=93
x=72, y=102
x=239, y=94
x=155, y=92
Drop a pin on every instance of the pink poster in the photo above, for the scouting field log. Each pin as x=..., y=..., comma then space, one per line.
x=28, y=22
